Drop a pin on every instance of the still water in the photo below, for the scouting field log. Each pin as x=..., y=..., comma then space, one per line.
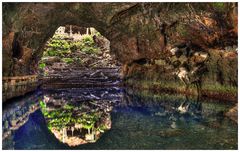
x=115, y=118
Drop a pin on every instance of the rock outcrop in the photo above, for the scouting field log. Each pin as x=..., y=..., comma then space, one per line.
x=135, y=30
x=233, y=113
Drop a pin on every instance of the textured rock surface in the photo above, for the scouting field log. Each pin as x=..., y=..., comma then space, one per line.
x=233, y=114
x=135, y=30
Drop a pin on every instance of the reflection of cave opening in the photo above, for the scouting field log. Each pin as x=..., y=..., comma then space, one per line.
x=75, y=122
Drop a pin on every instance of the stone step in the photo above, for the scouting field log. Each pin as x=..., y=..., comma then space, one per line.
x=96, y=93
x=92, y=74
x=79, y=85
x=81, y=80
x=82, y=77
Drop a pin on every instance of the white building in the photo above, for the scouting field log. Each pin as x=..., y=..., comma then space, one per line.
x=60, y=30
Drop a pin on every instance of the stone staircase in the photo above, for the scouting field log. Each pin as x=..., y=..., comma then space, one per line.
x=81, y=77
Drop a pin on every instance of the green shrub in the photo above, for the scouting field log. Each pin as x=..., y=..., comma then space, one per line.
x=90, y=50
x=98, y=34
x=86, y=45
x=50, y=52
x=42, y=65
x=42, y=104
x=59, y=44
x=74, y=46
x=57, y=47
x=67, y=60
x=68, y=107
x=87, y=40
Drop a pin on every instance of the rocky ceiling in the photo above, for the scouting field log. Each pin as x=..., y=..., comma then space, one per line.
x=135, y=30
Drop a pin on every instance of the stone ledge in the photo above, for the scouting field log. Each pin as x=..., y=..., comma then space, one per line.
x=18, y=85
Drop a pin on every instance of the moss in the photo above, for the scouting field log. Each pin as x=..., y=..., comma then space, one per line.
x=221, y=70
x=182, y=30
x=219, y=6
x=217, y=91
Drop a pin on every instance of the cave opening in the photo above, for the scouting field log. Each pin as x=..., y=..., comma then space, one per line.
x=78, y=73
x=78, y=56
x=64, y=86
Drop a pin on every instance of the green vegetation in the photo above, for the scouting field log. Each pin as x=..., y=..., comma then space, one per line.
x=86, y=44
x=89, y=120
x=220, y=80
x=182, y=30
x=57, y=46
x=67, y=60
x=43, y=107
x=65, y=48
x=212, y=90
x=210, y=87
x=63, y=117
x=219, y=6
x=68, y=107
x=98, y=34
x=42, y=65
x=102, y=128
x=220, y=88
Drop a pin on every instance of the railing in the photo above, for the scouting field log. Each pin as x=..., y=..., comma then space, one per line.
x=18, y=85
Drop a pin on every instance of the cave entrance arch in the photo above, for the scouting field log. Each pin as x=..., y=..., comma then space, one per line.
x=77, y=56
x=77, y=61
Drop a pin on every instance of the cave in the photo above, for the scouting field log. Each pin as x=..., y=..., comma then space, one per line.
x=103, y=75
x=77, y=57
x=17, y=51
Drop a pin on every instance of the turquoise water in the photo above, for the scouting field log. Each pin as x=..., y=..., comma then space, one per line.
x=118, y=119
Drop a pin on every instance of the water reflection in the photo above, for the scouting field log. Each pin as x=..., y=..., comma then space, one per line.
x=114, y=118
x=165, y=104
x=78, y=118
x=16, y=114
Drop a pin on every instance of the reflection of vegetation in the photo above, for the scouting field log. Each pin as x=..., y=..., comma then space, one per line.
x=102, y=127
x=43, y=107
x=216, y=87
x=176, y=86
x=150, y=98
x=68, y=107
x=72, y=116
x=89, y=120
x=61, y=118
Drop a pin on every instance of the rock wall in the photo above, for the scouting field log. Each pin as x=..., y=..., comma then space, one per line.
x=135, y=30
